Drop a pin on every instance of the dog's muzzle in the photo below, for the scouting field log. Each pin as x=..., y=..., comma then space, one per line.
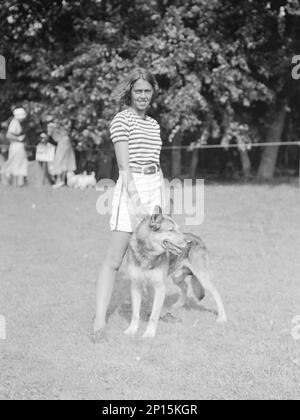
x=170, y=246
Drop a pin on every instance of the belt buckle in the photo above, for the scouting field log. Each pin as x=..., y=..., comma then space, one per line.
x=152, y=165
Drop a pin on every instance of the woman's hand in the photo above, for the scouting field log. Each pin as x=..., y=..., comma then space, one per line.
x=137, y=209
x=21, y=137
x=140, y=212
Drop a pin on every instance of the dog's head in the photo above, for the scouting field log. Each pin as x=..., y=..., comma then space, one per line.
x=161, y=233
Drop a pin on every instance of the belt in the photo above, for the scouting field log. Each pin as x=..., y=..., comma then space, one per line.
x=153, y=168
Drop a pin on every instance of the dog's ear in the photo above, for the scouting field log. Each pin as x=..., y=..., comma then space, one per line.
x=156, y=218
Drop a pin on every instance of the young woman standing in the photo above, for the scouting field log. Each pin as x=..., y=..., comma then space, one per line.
x=137, y=144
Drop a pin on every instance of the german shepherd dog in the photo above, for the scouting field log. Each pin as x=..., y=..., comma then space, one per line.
x=159, y=252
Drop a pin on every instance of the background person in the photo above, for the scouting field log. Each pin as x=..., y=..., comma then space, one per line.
x=16, y=167
x=45, y=153
x=137, y=142
x=64, y=160
x=2, y=162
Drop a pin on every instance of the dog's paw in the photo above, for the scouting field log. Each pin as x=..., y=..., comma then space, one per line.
x=178, y=305
x=222, y=319
x=149, y=333
x=131, y=330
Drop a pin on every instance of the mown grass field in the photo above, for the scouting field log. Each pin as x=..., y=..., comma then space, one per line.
x=51, y=247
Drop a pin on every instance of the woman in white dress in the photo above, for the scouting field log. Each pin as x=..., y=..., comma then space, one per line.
x=64, y=160
x=16, y=167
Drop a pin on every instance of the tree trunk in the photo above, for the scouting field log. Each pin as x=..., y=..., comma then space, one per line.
x=269, y=157
x=194, y=163
x=176, y=158
x=246, y=164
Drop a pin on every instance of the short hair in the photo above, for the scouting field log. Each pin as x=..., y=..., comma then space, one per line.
x=123, y=91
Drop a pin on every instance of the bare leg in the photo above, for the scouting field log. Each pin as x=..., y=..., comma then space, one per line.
x=59, y=181
x=159, y=297
x=136, y=297
x=107, y=276
x=20, y=181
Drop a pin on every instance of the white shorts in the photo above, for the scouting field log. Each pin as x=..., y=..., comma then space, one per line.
x=151, y=192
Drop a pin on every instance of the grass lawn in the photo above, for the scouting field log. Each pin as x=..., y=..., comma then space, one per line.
x=51, y=247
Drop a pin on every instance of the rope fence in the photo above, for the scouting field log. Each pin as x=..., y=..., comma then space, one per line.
x=229, y=146
x=247, y=147
x=222, y=146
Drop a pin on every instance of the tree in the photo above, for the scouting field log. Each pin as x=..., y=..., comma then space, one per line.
x=219, y=81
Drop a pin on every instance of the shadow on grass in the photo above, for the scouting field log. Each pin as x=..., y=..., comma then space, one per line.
x=125, y=309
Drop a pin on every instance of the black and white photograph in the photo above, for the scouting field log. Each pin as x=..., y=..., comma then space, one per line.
x=149, y=202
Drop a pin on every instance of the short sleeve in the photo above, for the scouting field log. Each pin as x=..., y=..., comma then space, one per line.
x=119, y=129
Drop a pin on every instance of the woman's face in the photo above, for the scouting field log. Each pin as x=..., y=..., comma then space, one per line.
x=141, y=95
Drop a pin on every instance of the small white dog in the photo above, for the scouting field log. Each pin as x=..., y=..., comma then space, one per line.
x=87, y=181
x=72, y=179
x=81, y=181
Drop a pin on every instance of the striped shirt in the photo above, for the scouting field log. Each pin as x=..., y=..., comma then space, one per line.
x=142, y=135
